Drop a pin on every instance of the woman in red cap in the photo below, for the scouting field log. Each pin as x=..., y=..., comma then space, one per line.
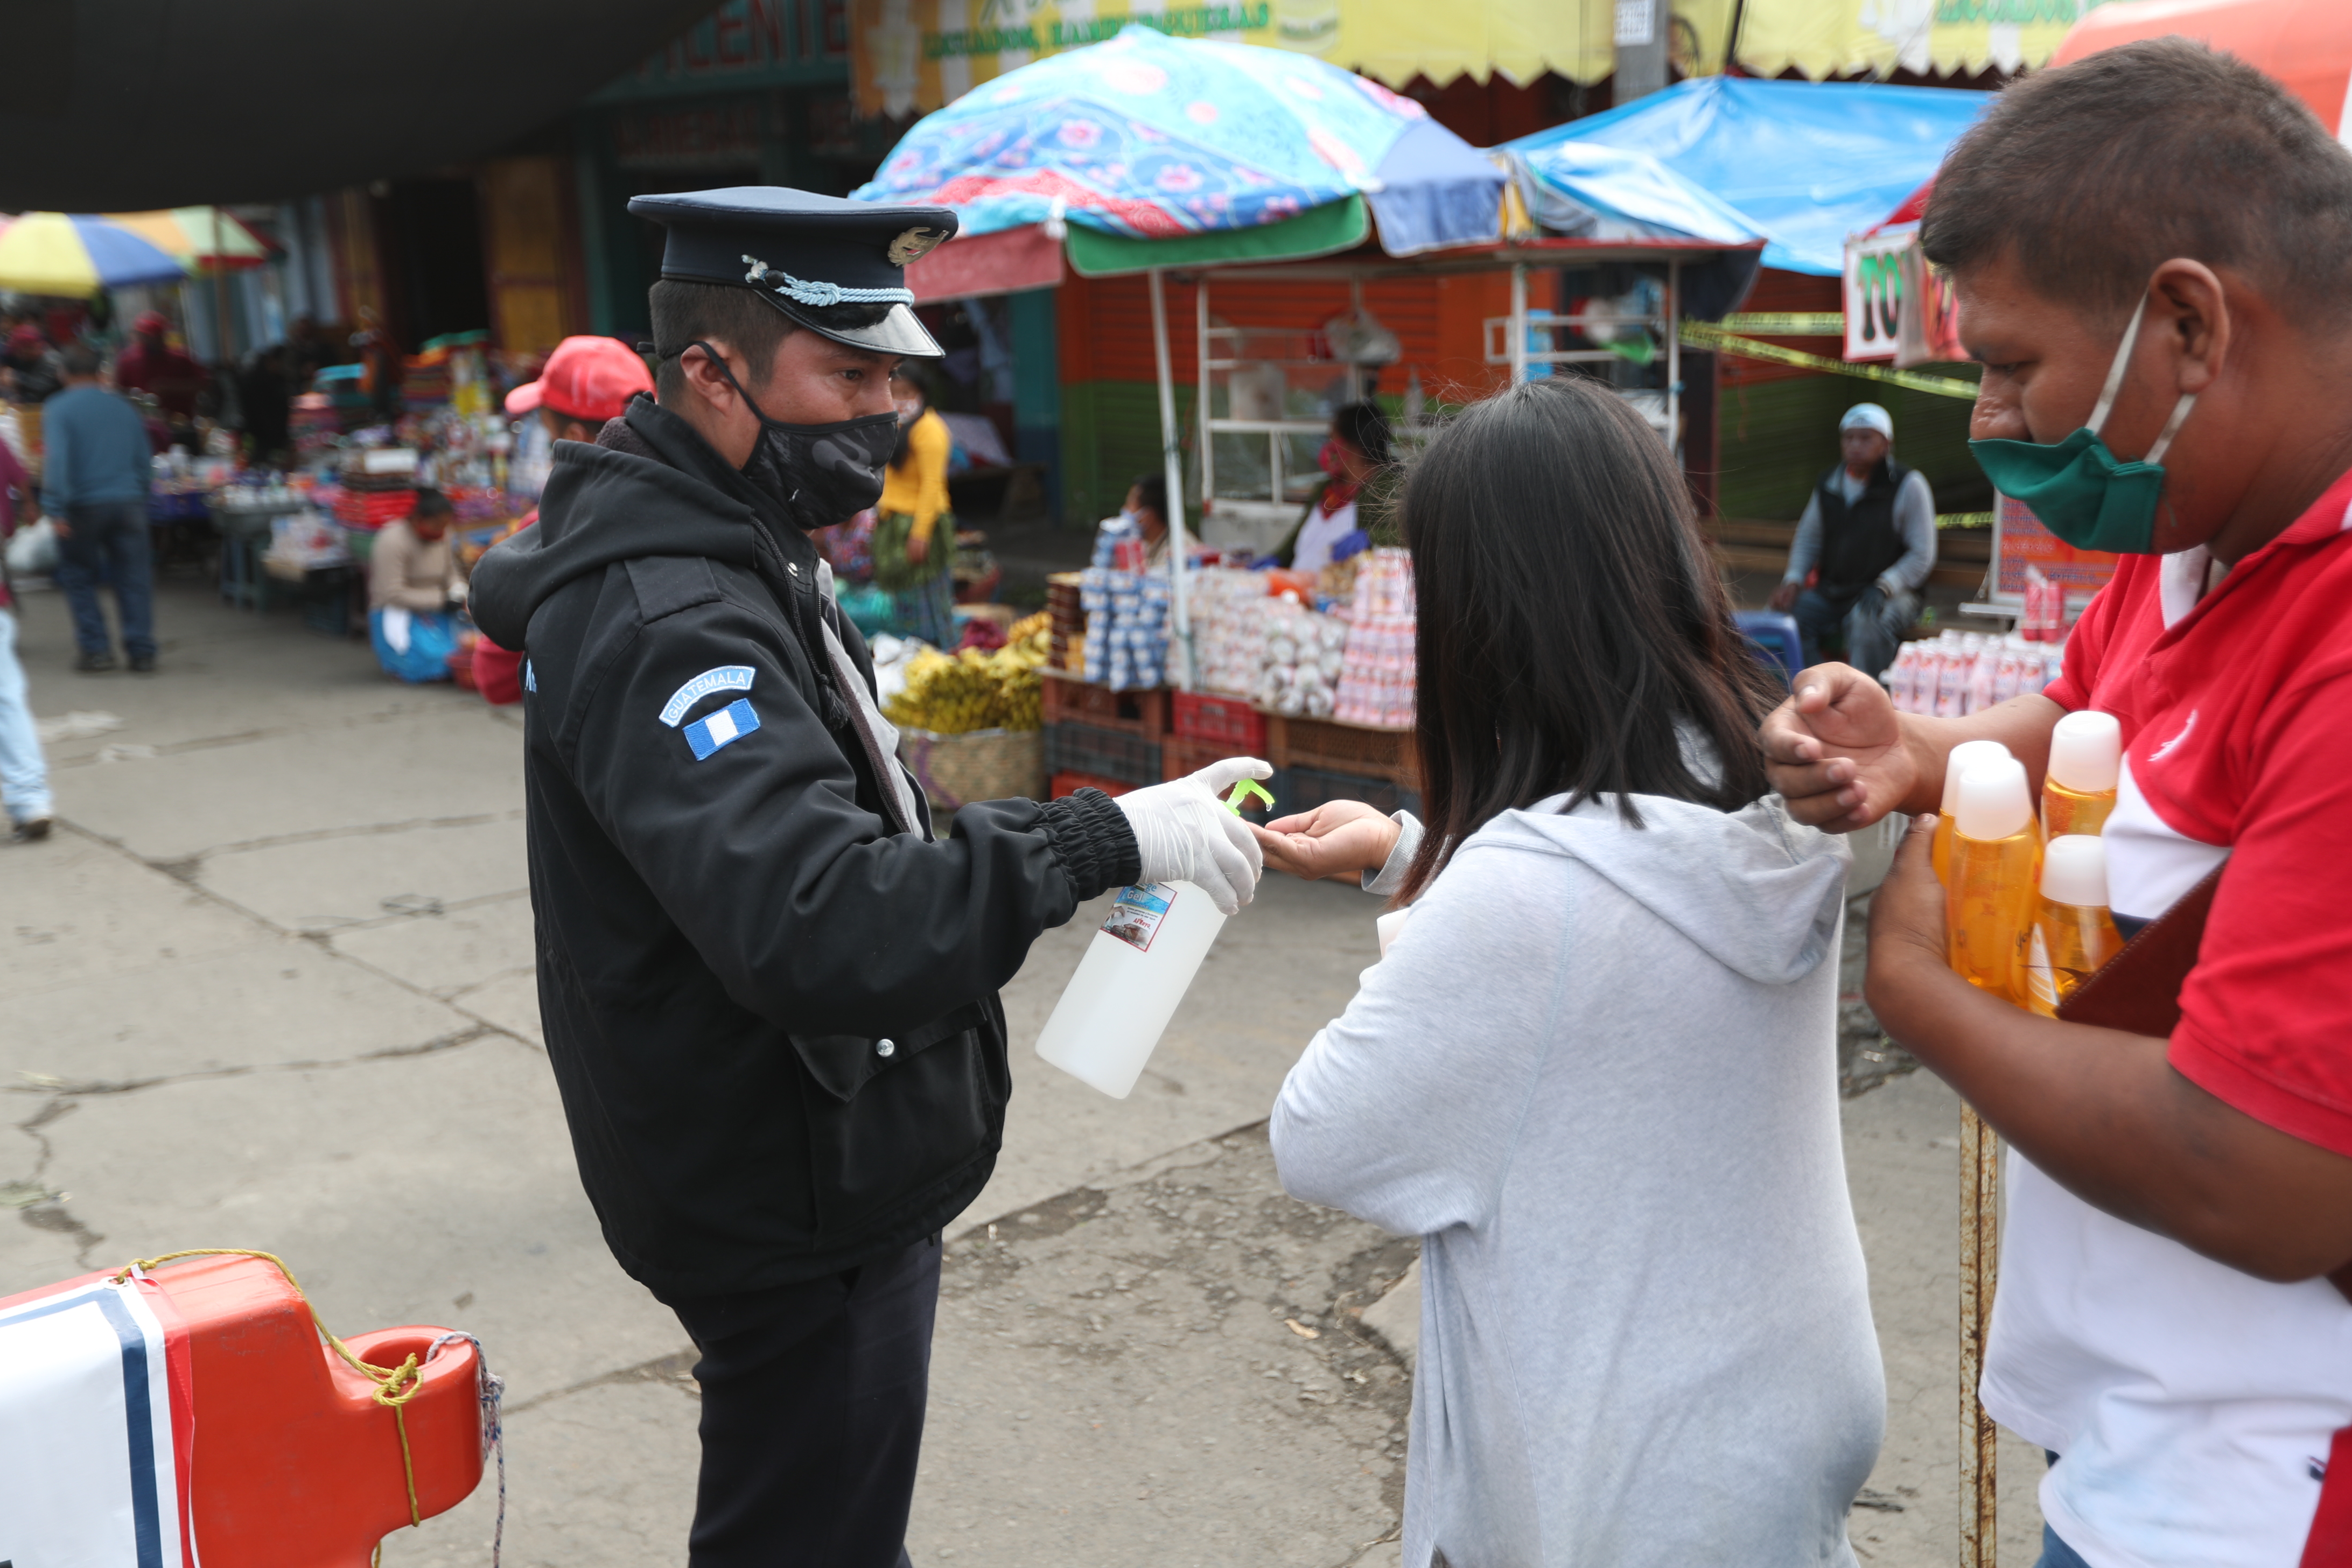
x=587, y=380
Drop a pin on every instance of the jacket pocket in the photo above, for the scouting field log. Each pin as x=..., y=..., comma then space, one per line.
x=890, y=1125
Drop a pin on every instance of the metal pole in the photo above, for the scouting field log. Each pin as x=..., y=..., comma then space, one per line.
x=1201, y=404
x=1172, y=466
x=1518, y=323
x=1979, y=1271
x=1674, y=358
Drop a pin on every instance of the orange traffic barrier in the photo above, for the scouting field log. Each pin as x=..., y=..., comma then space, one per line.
x=302, y=1459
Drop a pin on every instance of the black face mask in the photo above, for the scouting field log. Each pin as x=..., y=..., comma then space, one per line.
x=822, y=474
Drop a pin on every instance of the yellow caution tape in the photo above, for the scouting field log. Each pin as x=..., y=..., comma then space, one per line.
x=1787, y=323
x=1706, y=335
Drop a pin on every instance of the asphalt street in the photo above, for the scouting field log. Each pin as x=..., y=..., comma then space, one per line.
x=270, y=985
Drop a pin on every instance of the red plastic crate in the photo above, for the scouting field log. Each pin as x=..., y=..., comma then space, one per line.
x=1070, y=784
x=1226, y=720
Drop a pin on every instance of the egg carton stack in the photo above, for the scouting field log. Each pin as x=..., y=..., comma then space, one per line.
x=1377, y=674
x=1126, y=627
x=1227, y=608
x=1298, y=671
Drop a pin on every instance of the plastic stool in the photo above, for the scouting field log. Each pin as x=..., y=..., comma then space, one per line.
x=1775, y=639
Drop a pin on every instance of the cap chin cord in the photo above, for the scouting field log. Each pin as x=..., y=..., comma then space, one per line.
x=820, y=294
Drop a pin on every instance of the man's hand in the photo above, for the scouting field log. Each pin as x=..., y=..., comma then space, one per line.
x=1784, y=597
x=1906, y=913
x=1184, y=833
x=1835, y=750
x=1339, y=838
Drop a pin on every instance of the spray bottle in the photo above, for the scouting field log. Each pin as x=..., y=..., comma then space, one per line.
x=1137, y=968
x=2086, y=750
x=1988, y=894
x=1963, y=757
x=2073, y=934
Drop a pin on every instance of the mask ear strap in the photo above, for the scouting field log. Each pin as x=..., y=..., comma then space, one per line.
x=2171, y=427
x=2116, y=371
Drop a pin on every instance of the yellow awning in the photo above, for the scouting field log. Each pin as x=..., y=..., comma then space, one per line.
x=1843, y=38
x=909, y=57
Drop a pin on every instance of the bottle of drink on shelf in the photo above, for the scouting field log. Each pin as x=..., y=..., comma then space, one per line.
x=2073, y=934
x=2086, y=750
x=1964, y=756
x=1989, y=892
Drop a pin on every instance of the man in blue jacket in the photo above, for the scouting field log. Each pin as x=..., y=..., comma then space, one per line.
x=94, y=485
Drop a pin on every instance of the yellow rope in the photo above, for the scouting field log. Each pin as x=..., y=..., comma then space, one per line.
x=395, y=1385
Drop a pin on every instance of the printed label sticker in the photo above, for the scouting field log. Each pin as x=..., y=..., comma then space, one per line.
x=1135, y=919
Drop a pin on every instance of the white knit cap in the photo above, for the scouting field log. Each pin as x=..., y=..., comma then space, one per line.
x=1868, y=416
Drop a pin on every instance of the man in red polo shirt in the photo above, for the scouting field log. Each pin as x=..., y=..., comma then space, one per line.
x=2152, y=250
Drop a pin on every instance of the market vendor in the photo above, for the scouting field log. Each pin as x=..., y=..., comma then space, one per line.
x=1869, y=529
x=151, y=366
x=769, y=989
x=914, y=532
x=1355, y=459
x=2162, y=303
x=416, y=592
x=1146, y=511
x=34, y=372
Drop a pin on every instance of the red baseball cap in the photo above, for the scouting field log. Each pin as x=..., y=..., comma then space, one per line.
x=589, y=379
x=151, y=321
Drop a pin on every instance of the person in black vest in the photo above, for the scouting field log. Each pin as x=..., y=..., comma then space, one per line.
x=1870, y=528
x=767, y=980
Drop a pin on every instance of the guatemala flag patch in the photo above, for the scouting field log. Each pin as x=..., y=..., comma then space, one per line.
x=723, y=728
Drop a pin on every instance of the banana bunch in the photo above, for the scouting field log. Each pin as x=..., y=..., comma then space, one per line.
x=954, y=694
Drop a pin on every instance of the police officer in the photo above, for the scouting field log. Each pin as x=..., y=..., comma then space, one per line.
x=1870, y=528
x=769, y=992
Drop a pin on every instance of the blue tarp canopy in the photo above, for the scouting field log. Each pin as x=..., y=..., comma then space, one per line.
x=1589, y=189
x=1148, y=137
x=1806, y=163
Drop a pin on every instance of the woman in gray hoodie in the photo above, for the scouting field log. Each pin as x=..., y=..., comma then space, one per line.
x=1596, y=1072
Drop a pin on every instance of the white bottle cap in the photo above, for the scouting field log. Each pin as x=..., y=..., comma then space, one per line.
x=1963, y=757
x=2074, y=870
x=1993, y=804
x=2086, y=750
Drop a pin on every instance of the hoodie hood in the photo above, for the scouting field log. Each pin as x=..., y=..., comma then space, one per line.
x=650, y=486
x=1755, y=888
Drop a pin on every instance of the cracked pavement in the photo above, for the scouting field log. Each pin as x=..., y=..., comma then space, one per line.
x=270, y=985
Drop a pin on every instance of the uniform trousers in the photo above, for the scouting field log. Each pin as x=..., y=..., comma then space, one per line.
x=813, y=1399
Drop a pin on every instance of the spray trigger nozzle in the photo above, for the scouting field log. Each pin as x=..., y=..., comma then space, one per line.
x=1243, y=791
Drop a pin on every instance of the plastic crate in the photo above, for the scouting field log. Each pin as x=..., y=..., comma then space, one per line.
x=1303, y=789
x=1179, y=758
x=1068, y=699
x=1105, y=753
x=1227, y=720
x=1328, y=746
x=1070, y=784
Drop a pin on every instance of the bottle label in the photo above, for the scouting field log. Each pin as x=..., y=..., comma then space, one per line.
x=1135, y=917
x=2041, y=979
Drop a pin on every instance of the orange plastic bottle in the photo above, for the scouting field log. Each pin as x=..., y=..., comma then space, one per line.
x=2073, y=934
x=2086, y=753
x=1963, y=757
x=1988, y=894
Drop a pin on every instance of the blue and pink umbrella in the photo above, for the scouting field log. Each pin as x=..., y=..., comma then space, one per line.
x=1151, y=137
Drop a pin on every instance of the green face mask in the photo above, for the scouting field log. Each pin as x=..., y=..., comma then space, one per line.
x=2078, y=488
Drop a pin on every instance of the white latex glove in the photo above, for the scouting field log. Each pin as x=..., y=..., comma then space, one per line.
x=1186, y=833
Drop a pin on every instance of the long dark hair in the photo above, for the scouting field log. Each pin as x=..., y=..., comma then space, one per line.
x=1569, y=615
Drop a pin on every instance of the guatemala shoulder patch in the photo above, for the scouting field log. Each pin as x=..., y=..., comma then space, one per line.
x=727, y=725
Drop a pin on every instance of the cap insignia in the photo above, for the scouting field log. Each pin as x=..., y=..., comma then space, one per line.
x=914, y=244
x=820, y=294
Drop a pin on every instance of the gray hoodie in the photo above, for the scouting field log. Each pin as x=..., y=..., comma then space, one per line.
x=1597, y=1074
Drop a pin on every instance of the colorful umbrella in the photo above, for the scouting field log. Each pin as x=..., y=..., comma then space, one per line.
x=1150, y=137
x=77, y=254
x=202, y=239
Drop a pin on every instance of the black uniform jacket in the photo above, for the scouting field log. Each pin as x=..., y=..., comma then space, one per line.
x=772, y=1020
